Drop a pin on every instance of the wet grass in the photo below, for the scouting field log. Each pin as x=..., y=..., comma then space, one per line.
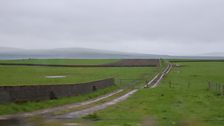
x=186, y=102
x=27, y=75
x=14, y=75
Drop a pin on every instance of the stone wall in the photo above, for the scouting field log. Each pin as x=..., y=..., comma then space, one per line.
x=136, y=63
x=45, y=92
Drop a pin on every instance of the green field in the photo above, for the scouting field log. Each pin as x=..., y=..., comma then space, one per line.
x=26, y=75
x=61, y=61
x=34, y=75
x=186, y=103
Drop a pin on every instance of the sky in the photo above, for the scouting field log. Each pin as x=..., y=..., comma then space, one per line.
x=174, y=27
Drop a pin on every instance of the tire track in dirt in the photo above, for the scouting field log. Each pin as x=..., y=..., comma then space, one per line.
x=77, y=114
x=60, y=108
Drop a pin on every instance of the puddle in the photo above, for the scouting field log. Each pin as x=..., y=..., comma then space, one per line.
x=55, y=76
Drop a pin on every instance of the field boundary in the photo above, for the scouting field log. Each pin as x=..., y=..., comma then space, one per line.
x=216, y=87
x=20, y=94
x=198, y=60
x=122, y=63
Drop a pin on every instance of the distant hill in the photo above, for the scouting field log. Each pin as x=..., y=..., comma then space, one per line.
x=214, y=54
x=82, y=53
x=85, y=53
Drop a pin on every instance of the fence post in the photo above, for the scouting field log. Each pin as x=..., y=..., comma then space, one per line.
x=189, y=84
x=222, y=90
x=222, y=86
x=216, y=87
x=209, y=85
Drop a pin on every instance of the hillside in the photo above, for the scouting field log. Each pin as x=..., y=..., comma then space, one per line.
x=81, y=53
x=87, y=53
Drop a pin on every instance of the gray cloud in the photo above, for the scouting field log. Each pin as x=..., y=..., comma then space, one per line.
x=155, y=26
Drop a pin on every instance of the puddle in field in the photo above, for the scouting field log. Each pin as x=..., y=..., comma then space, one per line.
x=55, y=76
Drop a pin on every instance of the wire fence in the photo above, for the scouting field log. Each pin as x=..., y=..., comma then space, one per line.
x=216, y=87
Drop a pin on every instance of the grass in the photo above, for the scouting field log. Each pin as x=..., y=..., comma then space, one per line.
x=61, y=61
x=186, y=102
x=25, y=75
x=22, y=75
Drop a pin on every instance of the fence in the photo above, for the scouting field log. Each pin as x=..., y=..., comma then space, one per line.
x=218, y=88
x=186, y=84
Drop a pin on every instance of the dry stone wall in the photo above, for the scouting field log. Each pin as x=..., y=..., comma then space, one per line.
x=45, y=92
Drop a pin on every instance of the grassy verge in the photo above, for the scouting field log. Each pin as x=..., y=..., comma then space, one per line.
x=181, y=100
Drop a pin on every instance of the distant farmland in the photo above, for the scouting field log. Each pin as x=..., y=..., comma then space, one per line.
x=43, y=75
x=62, y=61
x=25, y=75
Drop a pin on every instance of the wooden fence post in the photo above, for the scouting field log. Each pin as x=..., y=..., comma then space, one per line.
x=209, y=85
x=222, y=90
x=222, y=87
x=216, y=87
x=189, y=84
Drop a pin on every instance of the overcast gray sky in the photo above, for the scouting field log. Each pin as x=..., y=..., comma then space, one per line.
x=179, y=27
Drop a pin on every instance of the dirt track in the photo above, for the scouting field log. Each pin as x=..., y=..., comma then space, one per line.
x=77, y=114
x=60, y=108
